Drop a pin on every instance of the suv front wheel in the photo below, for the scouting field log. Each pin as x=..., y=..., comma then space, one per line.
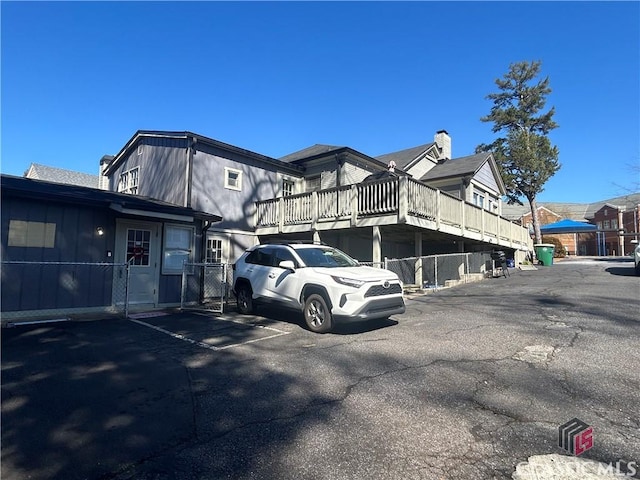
x=245, y=301
x=317, y=314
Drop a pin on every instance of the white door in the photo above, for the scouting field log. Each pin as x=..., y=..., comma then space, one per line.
x=138, y=243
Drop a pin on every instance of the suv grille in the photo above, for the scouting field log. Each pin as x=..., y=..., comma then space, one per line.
x=378, y=290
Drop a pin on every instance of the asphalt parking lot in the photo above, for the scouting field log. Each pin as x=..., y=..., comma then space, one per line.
x=468, y=384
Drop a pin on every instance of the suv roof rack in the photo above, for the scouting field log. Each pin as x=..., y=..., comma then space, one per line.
x=293, y=242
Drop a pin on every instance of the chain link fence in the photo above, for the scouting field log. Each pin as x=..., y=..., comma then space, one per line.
x=46, y=289
x=205, y=286
x=434, y=271
x=39, y=289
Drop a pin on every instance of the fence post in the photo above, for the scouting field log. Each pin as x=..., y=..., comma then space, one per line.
x=438, y=210
x=183, y=287
x=224, y=287
x=435, y=272
x=126, y=289
x=467, y=270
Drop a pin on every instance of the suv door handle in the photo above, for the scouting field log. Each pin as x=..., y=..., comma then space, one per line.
x=272, y=275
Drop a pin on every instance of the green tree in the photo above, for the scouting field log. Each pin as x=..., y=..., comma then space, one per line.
x=524, y=154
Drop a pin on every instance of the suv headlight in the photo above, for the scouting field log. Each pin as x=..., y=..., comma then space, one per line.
x=351, y=282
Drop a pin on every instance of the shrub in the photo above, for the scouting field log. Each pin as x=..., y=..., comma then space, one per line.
x=558, y=251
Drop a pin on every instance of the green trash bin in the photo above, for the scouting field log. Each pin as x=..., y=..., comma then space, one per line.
x=544, y=253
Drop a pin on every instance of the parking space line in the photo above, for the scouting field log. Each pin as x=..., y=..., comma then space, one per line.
x=227, y=319
x=254, y=340
x=175, y=335
x=206, y=345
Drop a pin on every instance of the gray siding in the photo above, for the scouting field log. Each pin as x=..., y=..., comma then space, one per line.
x=350, y=173
x=238, y=244
x=485, y=176
x=163, y=163
x=421, y=168
x=353, y=174
x=452, y=190
x=260, y=181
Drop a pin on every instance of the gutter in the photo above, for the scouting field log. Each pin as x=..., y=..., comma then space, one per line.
x=149, y=213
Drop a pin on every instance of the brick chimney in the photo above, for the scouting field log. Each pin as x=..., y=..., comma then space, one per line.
x=443, y=140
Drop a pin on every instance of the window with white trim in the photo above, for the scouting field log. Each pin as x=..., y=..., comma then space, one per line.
x=232, y=179
x=214, y=250
x=178, y=248
x=129, y=180
x=288, y=187
x=31, y=234
x=478, y=200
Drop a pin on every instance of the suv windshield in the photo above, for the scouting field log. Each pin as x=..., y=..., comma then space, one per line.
x=325, y=257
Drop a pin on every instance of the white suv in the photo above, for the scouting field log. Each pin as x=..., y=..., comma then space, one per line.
x=324, y=283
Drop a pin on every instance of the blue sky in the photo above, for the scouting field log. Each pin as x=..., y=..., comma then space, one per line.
x=80, y=78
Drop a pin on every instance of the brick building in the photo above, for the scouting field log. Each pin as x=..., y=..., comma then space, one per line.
x=617, y=219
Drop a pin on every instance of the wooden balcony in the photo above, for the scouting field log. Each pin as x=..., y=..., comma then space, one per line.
x=391, y=201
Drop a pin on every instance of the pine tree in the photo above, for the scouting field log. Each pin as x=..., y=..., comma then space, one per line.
x=524, y=153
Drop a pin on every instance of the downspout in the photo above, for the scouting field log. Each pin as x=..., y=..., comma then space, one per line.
x=203, y=254
x=189, y=171
x=203, y=241
x=339, y=163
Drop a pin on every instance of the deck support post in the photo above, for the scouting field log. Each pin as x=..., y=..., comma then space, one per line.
x=418, y=254
x=377, y=247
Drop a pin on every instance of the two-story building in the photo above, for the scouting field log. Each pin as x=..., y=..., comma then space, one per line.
x=170, y=198
x=320, y=193
x=618, y=224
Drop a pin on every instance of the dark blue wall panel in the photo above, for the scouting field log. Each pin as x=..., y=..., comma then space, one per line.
x=53, y=286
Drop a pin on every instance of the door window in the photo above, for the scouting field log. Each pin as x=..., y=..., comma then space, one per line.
x=138, y=245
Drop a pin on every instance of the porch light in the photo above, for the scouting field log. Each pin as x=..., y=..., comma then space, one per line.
x=99, y=231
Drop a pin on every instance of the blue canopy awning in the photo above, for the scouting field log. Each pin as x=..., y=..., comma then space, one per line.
x=568, y=226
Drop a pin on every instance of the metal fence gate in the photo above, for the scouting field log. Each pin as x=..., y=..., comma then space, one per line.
x=204, y=286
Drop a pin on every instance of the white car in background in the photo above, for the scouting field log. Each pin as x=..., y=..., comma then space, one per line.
x=636, y=258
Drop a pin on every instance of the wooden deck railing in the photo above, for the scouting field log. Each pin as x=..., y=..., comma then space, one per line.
x=395, y=200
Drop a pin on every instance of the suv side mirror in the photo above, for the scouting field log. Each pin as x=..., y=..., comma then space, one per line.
x=287, y=265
